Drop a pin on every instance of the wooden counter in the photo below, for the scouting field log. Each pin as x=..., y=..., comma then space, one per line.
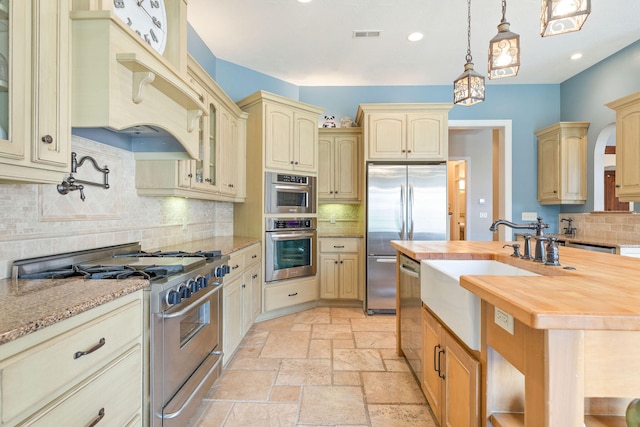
x=574, y=343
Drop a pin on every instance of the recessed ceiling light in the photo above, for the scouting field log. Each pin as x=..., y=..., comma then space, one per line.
x=304, y=1
x=576, y=56
x=414, y=37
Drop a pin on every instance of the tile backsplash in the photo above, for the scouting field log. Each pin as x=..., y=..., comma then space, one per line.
x=36, y=220
x=604, y=225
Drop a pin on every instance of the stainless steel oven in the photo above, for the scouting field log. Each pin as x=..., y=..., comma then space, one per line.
x=286, y=193
x=290, y=248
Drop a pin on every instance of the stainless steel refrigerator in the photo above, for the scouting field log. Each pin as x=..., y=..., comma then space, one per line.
x=404, y=202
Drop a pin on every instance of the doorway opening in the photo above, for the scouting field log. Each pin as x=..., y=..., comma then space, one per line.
x=457, y=198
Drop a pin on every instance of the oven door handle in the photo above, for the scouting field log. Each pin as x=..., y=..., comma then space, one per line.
x=191, y=304
x=290, y=236
x=293, y=187
x=195, y=390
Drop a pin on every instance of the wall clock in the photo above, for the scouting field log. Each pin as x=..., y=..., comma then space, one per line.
x=148, y=18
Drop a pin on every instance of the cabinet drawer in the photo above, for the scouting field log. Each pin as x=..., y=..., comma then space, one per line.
x=253, y=255
x=236, y=263
x=117, y=389
x=30, y=378
x=339, y=245
x=278, y=296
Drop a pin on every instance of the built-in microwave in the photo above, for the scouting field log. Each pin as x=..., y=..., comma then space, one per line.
x=286, y=193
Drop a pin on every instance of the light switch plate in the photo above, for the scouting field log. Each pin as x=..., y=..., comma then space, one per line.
x=529, y=216
x=503, y=319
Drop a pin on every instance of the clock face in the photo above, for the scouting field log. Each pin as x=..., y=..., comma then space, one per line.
x=147, y=18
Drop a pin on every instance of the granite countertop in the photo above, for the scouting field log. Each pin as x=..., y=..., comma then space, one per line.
x=30, y=305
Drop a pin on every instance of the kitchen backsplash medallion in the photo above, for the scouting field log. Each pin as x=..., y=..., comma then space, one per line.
x=604, y=225
x=35, y=220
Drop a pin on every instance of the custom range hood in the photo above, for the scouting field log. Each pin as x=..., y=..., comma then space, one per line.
x=126, y=94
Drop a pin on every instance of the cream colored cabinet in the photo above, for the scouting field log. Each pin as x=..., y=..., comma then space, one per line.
x=450, y=376
x=340, y=268
x=72, y=372
x=35, y=90
x=627, y=147
x=218, y=173
x=562, y=163
x=242, y=297
x=280, y=295
x=405, y=131
x=338, y=164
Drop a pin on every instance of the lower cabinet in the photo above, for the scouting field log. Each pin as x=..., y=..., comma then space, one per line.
x=80, y=371
x=242, y=293
x=340, y=268
x=450, y=376
x=291, y=292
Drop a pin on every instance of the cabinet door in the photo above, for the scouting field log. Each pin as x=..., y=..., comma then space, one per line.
x=548, y=167
x=329, y=275
x=325, y=168
x=204, y=169
x=346, y=168
x=628, y=153
x=424, y=139
x=573, y=168
x=305, y=143
x=431, y=358
x=461, y=373
x=348, y=276
x=232, y=309
x=255, y=283
x=228, y=154
x=387, y=136
x=278, y=137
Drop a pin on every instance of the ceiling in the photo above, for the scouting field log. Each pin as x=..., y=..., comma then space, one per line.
x=312, y=44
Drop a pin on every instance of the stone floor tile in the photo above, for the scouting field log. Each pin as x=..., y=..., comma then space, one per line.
x=332, y=405
x=254, y=339
x=320, y=349
x=346, y=378
x=375, y=339
x=350, y=312
x=254, y=364
x=374, y=324
x=343, y=343
x=400, y=416
x=314, y=316
x=278, y=324
x=243, y=385
x=391, y=387
x=262, y=414
x=298, y=327
x=346, y=359
x=211, y=413
x=396, y=365
x=390, y=353
x=286, y=344
x=332, y=331
x=285, y=393
x=304, y=372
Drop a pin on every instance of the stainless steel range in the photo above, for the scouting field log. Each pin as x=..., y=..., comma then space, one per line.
x=185, y=342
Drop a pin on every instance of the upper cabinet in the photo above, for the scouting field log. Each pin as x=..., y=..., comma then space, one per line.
x=339, y=164
x=35, y=62
x=562, y=163
x=218, y=173
x=125, y=74
x=289, y=132
x=405, y=131
x=627, y=147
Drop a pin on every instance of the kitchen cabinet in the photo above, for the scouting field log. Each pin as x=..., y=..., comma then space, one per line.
x=35, y=90
x=405, y=131
x=218, y=173
x=242, y=297
x=627, y=147
x=450, y=376
x=340, y=268
x=562, y=163
x=339, y=164
x=46, y=382
x=287, y=129
x=288, y=293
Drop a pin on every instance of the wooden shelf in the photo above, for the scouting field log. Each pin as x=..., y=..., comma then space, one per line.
x=517, y=420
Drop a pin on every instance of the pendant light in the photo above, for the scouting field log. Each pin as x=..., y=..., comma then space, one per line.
x=468, y=88
x=563, y=16
x=504, y=50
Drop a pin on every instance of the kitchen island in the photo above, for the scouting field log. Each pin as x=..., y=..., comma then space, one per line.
x=573, y=347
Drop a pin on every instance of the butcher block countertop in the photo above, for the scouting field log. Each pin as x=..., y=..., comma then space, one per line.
x=588, y=291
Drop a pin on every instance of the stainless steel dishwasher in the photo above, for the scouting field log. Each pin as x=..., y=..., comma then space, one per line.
x=411, y=313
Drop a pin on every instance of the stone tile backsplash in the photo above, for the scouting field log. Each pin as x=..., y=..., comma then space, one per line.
x=604, y=225
x=35, y=220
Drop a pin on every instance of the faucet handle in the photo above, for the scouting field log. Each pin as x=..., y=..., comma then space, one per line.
x=516, y=249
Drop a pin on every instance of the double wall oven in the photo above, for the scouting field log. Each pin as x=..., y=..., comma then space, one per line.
x=185, y=324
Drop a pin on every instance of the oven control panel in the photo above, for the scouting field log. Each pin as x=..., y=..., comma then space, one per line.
x=278, y=224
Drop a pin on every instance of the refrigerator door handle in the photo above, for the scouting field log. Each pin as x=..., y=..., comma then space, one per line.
x=386, y=260
x=410, y=212
x=402, y=212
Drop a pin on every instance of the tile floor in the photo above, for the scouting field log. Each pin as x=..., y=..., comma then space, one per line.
x=320, y=367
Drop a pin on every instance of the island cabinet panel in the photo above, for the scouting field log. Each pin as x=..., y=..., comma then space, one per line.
x=450, y=377
x=627, y=147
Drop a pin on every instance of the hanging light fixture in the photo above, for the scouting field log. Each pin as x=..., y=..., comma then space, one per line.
x=468, y=88
x=563, y=16
x=504, y=50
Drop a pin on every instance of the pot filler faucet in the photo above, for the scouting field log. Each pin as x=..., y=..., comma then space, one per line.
x=539, y=226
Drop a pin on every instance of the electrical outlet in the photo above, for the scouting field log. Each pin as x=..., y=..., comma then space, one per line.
x=529, y=216
x=484, y=215
x=503, y=319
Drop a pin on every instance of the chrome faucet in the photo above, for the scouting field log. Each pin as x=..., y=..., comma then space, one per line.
x=539, y=226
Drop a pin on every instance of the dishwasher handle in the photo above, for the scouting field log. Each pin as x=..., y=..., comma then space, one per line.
x=409, y=271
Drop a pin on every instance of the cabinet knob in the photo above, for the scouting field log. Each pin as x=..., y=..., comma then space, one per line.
x=617, y=185
x=291, y=161
x=47, y=139
x=408, y=151
x=190, y=175
x=335, y=262
x=404, y=151
x=208, y=180
x=296, y=163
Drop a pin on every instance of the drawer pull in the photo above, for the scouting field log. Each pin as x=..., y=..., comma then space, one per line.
x=293, y=295
x=255, y=276
x=338, y=247
x=98, y=418
x=254, y=256
x=79, y=354
x=236, y=266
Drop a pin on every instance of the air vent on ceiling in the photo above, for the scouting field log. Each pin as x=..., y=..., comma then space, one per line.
x=366, y=34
